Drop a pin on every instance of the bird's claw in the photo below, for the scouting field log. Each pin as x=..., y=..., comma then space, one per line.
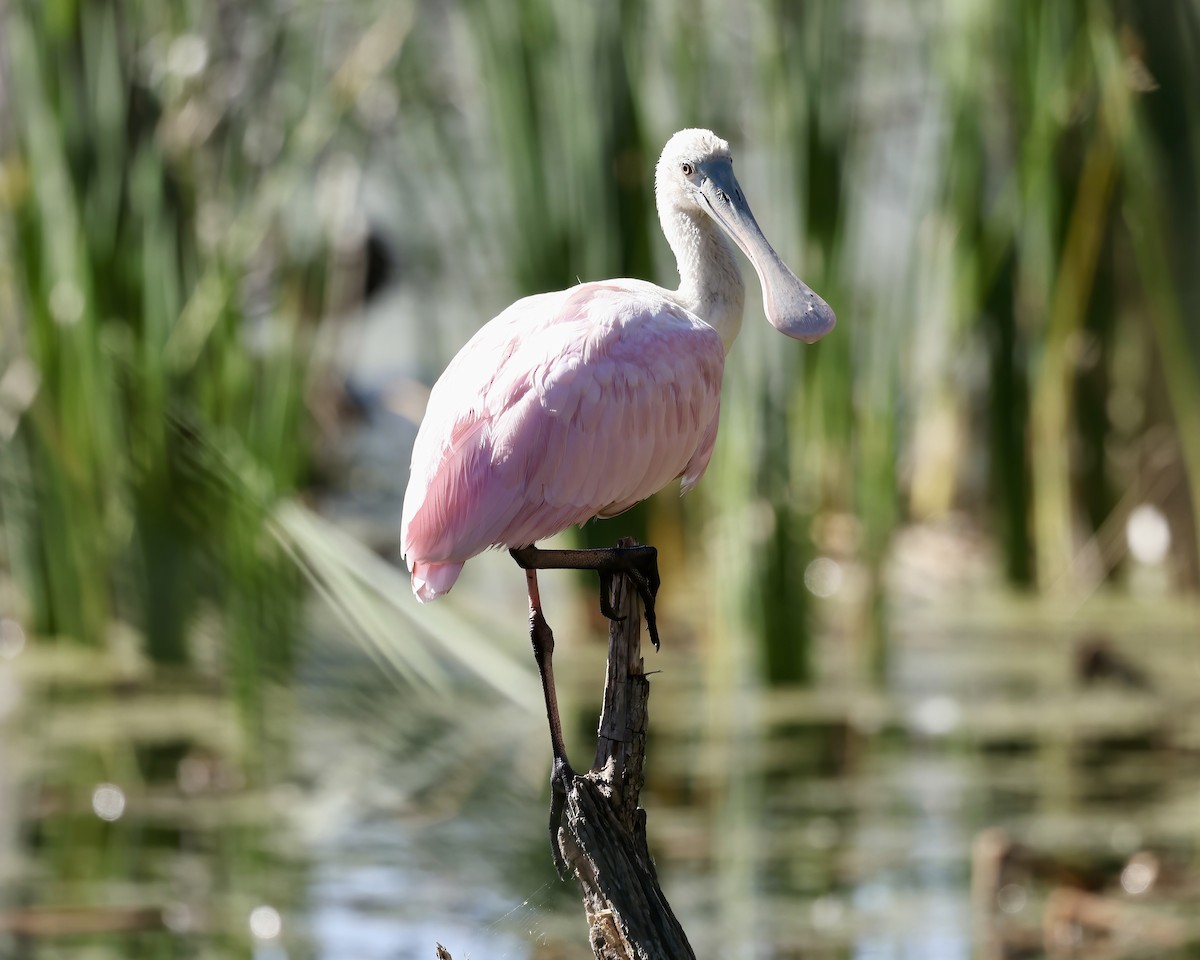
x=638, y=563
x=648, y=590
x=560, y=778
x=607, y=609
x=641, y=566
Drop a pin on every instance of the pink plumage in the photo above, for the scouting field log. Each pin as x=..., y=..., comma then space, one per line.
x=567, y=406
x=578, y=404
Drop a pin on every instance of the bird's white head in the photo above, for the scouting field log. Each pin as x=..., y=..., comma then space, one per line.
x=695, y=177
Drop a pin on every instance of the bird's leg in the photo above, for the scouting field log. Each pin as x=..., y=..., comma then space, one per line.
x=640, y=564
x=543, y=652
x=606, y=607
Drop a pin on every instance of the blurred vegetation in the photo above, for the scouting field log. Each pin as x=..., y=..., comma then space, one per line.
x=162, y=270
x=156, y=330
x=1000, y=204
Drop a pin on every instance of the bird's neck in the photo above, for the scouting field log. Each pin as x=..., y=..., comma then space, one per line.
x=710, y=283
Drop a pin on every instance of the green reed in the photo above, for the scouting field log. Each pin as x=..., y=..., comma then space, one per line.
x=991, y=199
x=132, y=218
x=977, y=192
x=999, y=201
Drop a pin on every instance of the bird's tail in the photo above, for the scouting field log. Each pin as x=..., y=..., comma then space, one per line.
x=431, y=580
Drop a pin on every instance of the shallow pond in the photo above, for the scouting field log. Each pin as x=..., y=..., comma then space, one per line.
x=1024, y=785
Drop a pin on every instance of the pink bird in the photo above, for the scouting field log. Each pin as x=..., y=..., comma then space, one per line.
x=581, y=403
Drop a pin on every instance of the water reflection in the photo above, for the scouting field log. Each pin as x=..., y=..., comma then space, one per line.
x=108, y=801
x=989, y=799
x=12, y=638
x=851, y=840
x=103, y=852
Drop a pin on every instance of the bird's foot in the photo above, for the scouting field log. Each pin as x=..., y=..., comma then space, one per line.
x=607, y=610
x=560, y=781
x=638, y=563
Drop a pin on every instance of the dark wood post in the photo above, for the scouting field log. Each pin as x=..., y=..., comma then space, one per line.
x=603, y=831
x=603, y=835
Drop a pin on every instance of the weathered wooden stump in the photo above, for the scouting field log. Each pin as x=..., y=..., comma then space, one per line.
x=603, y=834
x=601, y=829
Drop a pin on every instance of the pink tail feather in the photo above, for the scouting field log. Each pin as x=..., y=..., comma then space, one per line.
x=431, y=580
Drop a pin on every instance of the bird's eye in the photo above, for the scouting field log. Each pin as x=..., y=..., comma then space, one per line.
x=686, y=169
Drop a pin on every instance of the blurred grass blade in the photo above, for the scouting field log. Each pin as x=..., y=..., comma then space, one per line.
x=360, y=585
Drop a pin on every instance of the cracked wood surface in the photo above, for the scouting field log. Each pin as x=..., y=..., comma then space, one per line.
x=603, y=834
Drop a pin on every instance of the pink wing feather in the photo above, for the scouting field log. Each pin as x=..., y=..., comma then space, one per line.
x=567, y=406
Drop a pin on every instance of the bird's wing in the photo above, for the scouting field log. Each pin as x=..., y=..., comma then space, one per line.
x=566, y=406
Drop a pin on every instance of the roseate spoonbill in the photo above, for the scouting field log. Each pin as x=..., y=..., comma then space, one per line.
x=583, y=402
